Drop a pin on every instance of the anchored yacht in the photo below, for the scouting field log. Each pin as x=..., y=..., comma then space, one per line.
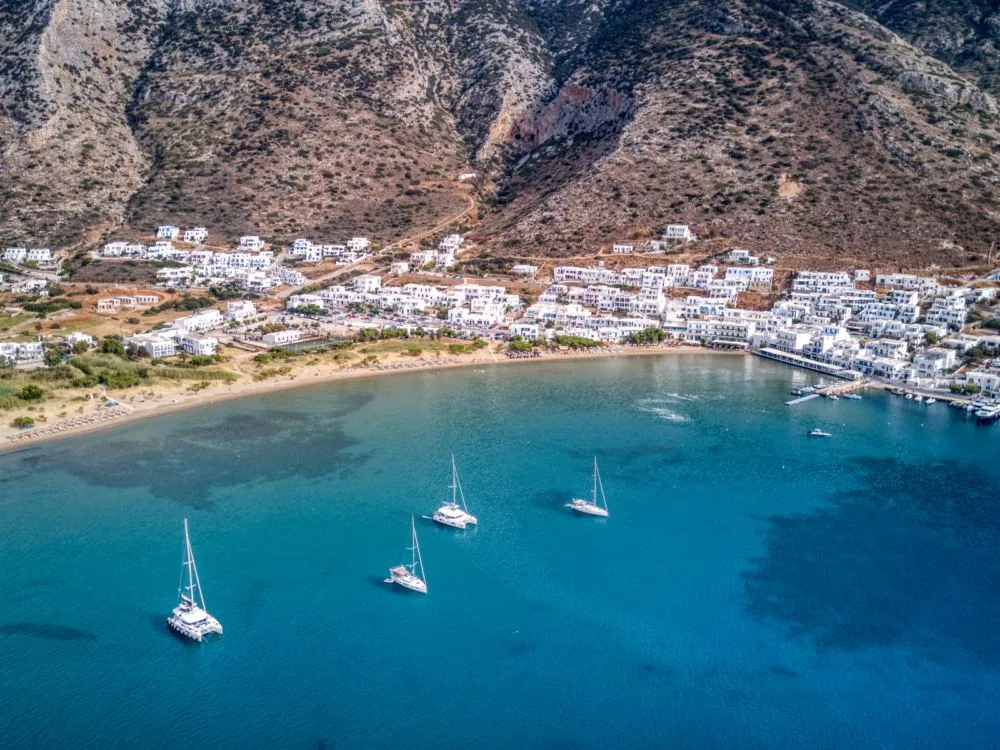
x=452, y=513
x=190, y=617
x=592, y=507
x=817, y=432
x=407, y=575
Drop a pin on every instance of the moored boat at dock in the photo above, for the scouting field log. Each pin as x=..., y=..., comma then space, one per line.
x=988, y=413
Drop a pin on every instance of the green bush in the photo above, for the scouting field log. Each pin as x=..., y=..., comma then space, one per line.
x=31, y=392
x=22, y=423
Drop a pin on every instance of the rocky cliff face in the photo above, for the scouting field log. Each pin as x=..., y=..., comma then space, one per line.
x=590, y=120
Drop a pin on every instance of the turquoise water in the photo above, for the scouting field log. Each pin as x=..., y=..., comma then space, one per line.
x=752, y=588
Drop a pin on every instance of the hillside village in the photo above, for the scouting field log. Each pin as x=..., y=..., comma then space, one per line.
x=927, y=331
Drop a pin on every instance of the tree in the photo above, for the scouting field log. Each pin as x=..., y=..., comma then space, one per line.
x=113, y=345
x=22, y=423
x=52, y=357
x=931, y=338
x=80, y=347
x=31, y=392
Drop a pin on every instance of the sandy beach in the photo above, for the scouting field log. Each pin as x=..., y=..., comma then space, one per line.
x=139, y=404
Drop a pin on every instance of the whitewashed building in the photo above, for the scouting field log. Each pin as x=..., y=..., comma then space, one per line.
x=196, y=235
x=281, y=338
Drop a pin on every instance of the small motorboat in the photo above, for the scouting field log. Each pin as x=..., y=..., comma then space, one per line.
x=930, y=400
x=852, y=396
x=818, y=433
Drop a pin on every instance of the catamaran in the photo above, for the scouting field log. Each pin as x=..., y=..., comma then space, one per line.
x=406, y=575
x=451, y=513
x=592, y=507
x=190, y=617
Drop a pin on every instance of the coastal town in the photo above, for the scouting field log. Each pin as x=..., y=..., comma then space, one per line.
x=933, y=336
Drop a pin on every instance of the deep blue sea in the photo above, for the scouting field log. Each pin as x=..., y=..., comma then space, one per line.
x=752, y=588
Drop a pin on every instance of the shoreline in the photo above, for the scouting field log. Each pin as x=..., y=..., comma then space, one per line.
x=172, y=403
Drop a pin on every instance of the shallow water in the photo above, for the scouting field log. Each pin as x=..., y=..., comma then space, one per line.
x=752, y=588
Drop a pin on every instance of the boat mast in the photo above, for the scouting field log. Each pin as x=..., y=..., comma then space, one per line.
x=594, y=493
x=417, y=558
x=599, y=484
x=456, y=486
x=192, y=570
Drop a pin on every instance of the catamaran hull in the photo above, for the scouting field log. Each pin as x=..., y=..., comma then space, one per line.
x=195, y=632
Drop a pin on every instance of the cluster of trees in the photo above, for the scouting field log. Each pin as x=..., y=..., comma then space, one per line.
x=187, y=303
x=651, y=335
x=308, y=310
x=968, y=388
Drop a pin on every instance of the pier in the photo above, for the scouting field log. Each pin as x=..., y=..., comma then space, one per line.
x=836, y=389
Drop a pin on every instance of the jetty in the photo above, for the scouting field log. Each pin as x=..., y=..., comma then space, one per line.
x=836, y=389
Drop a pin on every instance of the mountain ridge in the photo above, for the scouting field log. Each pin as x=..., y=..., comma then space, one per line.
x=802, y=128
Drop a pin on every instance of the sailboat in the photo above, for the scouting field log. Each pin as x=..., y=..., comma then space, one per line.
x=190, y=617
x=592, y=507
x=406, y=575
x=451, y=513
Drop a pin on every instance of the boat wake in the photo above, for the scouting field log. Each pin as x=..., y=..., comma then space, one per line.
x=661, y=409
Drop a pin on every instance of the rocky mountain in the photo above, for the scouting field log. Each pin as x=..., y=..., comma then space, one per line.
x=809, y=129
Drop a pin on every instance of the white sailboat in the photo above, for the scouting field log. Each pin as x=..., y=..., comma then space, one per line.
x=406, y=575
x=190, y=617
x=592, y=507
x=451, y=513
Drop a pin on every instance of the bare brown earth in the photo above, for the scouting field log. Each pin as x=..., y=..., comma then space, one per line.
x=798, y=129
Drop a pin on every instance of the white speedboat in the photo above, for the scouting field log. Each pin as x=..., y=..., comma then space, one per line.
x=818, y=433
x=592, y=507
x=190, y=617
x=909, y=396
x=919, y=398
x=408, y=576
x=833, y=397
x=852, y=396
x=930, y=400
x=454, y=514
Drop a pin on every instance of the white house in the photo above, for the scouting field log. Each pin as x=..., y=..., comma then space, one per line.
x=679, y=232
x=167, y=232
x=15, y=254
x=155, y=345
x=862, y=274
x=77, y=337
x=196, y=235
x=14, y=351
x=367, y=283
x=524, y=269
x=39, y=255
x=399, y=268
x=622, y=248
x=203, y=321
x=359, y=244
x=280, y=338
x=934, y=362
x=251, y=244
x=240, y=310
x=195, y=343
